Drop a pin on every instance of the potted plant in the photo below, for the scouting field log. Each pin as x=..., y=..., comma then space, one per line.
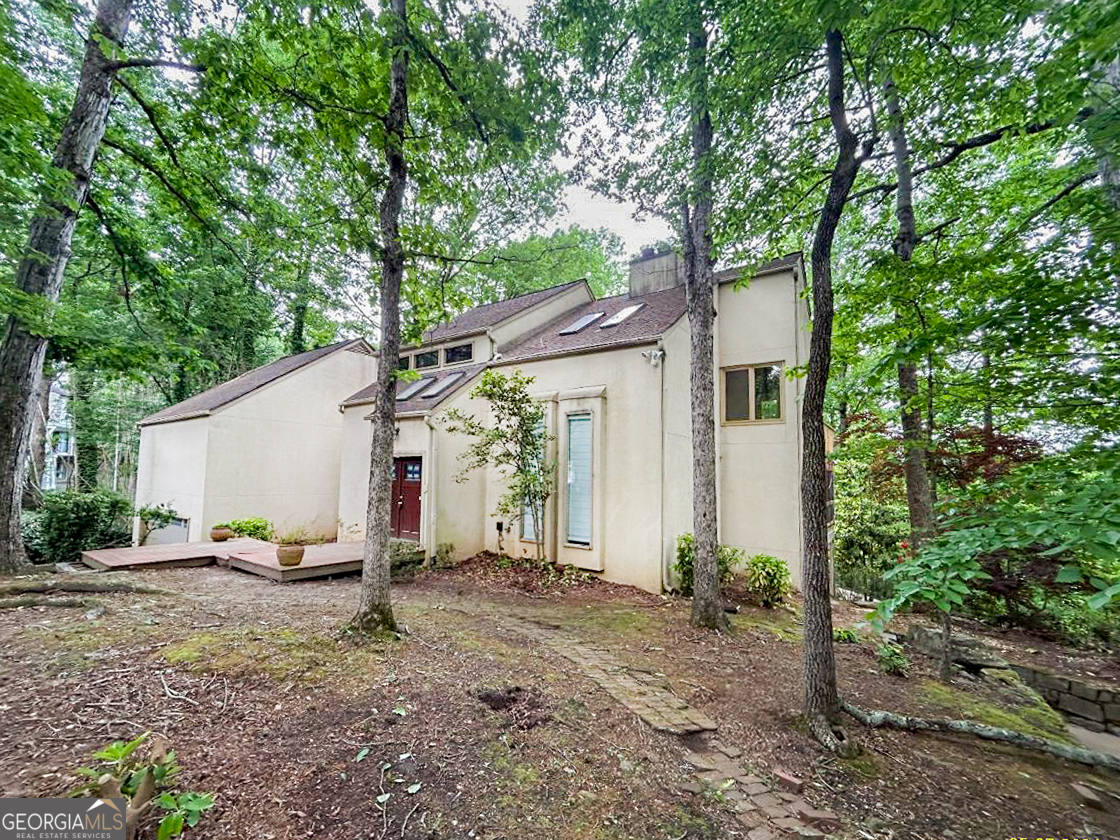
x=221, y=532
x=292, y=542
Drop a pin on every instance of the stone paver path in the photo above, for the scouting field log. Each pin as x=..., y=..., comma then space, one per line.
x=770, y=808
x=647, y=695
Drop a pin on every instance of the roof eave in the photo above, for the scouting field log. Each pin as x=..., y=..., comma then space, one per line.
x=583, y=351
x=193, y=415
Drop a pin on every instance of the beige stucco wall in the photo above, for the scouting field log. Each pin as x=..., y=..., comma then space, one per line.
x=353, y=479
x=172, y=470
x=760, y=502
x=275, y=453
x=677, y=436
x=620, y=389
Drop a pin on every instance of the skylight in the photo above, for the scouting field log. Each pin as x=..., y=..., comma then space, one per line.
x=443, y=385
x=579, y=324
x=620, y=316
x=413, y=388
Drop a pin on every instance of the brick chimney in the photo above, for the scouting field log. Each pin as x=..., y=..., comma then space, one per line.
x=654, y=271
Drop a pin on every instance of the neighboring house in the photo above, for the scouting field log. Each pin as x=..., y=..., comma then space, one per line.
x=264, y=444
x=614, y=375
x=58, y=438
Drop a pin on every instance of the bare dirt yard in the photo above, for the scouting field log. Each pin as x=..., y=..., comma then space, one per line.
x=476, y=729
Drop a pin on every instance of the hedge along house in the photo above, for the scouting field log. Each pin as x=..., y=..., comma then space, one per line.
x=266, y=443
x=614, y=377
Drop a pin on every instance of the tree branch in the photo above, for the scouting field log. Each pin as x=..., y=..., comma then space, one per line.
x=157, y=62
x=958, y=148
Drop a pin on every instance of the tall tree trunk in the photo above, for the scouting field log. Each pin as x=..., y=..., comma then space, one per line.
x=822, y=708
x=1109, y=163
x=375, y=611
x=707, y=604
x=989, y=413
x=919, y=502
x=43, y=263
x=37, y=454
x=86, y=451
x=296, y=341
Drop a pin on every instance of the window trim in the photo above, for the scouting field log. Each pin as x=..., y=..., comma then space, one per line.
x=470, y=358
x=416, y=360
x=752, y=421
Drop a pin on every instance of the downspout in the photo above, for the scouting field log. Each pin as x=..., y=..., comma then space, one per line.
x=431, y=475
x=665, y=582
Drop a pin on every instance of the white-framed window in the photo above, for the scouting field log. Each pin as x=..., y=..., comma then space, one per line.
x=752, y=394
x=427, y=359
x=579, y=480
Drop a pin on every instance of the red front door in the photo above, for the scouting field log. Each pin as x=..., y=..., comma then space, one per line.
x=406, y=498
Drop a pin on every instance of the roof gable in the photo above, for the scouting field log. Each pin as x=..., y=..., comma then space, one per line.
x=481, y=318
x=222, y=395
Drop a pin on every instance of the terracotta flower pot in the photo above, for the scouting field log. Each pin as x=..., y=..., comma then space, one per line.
x=289, y=555
x=220, y=534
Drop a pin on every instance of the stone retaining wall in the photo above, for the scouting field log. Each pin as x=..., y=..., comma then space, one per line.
x=1093, y=707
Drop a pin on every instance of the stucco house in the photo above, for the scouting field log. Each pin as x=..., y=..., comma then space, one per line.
x=266, y=443
x=291, y=441
x=614, y=375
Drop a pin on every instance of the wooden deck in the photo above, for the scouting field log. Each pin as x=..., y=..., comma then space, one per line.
x=172, y=554
x=318, y=561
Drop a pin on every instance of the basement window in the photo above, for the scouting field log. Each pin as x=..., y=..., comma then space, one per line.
x=458, y=353
x=427, y=360
x=620, y=316
x=752, y=394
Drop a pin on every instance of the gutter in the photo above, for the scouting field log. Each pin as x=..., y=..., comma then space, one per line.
x=582, y=351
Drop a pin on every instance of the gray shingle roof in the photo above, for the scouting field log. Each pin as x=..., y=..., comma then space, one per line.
x=661, y=310
x=221, y=395
x=481, y=318
x=418, y=403
x=780, y=264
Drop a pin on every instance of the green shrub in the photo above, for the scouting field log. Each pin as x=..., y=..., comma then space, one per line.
x=726, y=558
x=845, y=635
x=256, y=527
x=70, y=522
x=892, y=659
x=767, y=578
x=31, y=528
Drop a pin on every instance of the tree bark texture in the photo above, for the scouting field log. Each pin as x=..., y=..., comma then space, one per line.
x=43, y=264
x=375, y=610
x=707, y=604
x=919, y=501
x=822, y=708
x=37, y=447
x=1109, y=163
x=875, y=719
